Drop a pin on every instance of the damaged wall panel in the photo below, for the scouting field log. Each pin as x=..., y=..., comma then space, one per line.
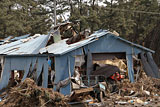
x=153, y=65
x=45, y=74
x=27, y=67
x=39, y=68
x=6, y=72
x=63, y=65
x=26, y=64
x=147, y=67
x=62, y=71
x=71, y=62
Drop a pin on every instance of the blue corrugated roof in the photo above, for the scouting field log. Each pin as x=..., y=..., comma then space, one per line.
x=10, y=39
x=20, y=37
x=61, y=47
x=5, y=40
x=30, y=45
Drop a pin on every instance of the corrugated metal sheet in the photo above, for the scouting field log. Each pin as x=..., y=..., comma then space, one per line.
x=30, y=45
x=20, y=37
x=8, y=38
x=5, y=40
x=61, y=47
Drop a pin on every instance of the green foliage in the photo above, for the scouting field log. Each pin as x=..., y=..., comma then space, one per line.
x=19, y=17
x=132, y=19
x=127, y=17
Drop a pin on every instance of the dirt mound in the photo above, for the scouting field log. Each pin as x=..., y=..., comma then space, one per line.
x=28, y=94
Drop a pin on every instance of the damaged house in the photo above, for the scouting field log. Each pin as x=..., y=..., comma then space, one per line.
x=54, y=64
x=22, y=56
x=98, y=47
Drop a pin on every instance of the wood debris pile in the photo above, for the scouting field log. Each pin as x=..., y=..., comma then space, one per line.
x=152, y=85
x=28, y=94
x=145, y=91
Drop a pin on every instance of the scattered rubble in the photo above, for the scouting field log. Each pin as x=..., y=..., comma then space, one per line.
x=143, y=92
x=29, y=94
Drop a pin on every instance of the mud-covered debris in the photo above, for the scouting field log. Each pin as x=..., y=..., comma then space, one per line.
x=28, y=94
x=146, y=91
x=145, y=86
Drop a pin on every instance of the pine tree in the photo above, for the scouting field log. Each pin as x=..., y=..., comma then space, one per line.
x=19, y=17
x=144, y=22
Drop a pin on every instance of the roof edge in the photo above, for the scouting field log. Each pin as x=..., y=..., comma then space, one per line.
x=133, y=44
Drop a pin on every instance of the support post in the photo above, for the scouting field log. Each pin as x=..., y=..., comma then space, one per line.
x=130, y=67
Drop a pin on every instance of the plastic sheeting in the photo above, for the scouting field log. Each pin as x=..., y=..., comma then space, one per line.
x=24, y=64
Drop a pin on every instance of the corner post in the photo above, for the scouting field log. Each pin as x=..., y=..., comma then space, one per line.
x=130, y=67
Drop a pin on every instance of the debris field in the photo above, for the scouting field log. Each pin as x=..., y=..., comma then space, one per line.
x=28, y=94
